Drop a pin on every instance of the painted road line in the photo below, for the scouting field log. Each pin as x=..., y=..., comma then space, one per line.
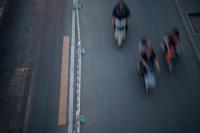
x=71, y=87
x=62, y=114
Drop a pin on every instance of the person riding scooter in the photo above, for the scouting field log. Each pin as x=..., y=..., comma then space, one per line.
x=171, y=44
x=148, y=59
x=120, y=11
x=143, y=44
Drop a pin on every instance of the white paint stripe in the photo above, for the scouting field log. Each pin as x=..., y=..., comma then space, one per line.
x=71, y=88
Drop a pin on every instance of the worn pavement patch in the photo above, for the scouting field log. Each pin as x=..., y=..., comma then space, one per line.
x=14, y=86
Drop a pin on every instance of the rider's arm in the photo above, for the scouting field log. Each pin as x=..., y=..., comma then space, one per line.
x=113, y=20
x=144, y=62
x=128, y=14
x=113, y=15
x=166, y=42
x=157, y=64
x=155, y=61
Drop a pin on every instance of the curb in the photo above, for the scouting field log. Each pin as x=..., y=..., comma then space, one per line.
x=194, y=45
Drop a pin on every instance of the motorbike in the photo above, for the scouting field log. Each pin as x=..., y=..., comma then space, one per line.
x=148, y=78
x=120, y=31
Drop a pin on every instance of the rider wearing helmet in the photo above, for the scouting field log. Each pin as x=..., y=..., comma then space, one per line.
x=148, y=59
x=172, y=40
x=143, y=44
x=120, y=12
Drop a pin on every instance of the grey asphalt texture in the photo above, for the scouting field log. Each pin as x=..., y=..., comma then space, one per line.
x=43, y=107
x=18, y=35
x=113, y=98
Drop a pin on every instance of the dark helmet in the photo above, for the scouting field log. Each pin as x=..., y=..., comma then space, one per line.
x=121, y=3
x=144, y=41
x=176, y=33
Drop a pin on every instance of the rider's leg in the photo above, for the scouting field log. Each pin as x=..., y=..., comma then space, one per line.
x=143, y=69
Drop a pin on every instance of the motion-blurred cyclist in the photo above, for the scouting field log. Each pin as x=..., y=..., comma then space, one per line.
x=172, y=40
x=148, y=58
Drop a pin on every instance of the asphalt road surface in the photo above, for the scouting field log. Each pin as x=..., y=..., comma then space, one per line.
x=44, y=104
x=113, y=98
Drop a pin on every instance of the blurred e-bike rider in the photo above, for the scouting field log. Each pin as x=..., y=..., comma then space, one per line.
x=173, y=41
x=120, y=12
x=148, y=59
